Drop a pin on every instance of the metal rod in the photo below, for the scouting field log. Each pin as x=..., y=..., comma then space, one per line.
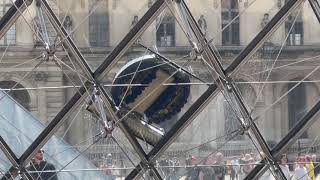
x=156, y=174
x=173, y=64
x=166, y=84
x=316, y=8
x=135, y=173
x=25, y=174
x=9, y=153
x=10, y=174
x=10, y=17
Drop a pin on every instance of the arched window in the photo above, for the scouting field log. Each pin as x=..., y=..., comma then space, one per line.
x=99, y=23
x=21, y=96
x=296, y=34
x=296, y=104
x=229, y=10
x=166, y=32
x=10, y=37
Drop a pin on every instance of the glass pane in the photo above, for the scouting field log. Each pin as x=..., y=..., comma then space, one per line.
x=203, y=150
x=20, y=128
x=276, y=90
x=154, y=85
x=89, y=154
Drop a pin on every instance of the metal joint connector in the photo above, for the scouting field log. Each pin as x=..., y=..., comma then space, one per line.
x=228, y=84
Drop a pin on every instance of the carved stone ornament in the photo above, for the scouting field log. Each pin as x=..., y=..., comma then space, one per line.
x=203, y=24
x=150, y=2
x=134, y=20
x=215, y=4
x=68, y=23
x=40, y=76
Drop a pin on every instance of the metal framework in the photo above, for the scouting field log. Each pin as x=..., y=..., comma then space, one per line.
x=223, y=81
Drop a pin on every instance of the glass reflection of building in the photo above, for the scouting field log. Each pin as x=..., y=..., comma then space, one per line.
x=104, y=30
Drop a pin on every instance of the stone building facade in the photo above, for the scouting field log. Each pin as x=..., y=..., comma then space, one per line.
x=100, y=26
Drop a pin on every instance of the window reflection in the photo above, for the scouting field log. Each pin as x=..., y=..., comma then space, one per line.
x=166, y=32
x=99, y=24
x=10, y=37
x=229, y=10
x=296, y=104
x=294, y=27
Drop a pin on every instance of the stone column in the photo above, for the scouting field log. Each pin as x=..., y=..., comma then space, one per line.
x=41, y=78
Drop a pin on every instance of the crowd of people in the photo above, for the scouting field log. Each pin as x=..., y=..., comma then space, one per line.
x=217, y=167
x=303, y=167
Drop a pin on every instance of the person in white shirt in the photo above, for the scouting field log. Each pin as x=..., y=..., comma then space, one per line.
x=300, y=173
x=284, y=166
